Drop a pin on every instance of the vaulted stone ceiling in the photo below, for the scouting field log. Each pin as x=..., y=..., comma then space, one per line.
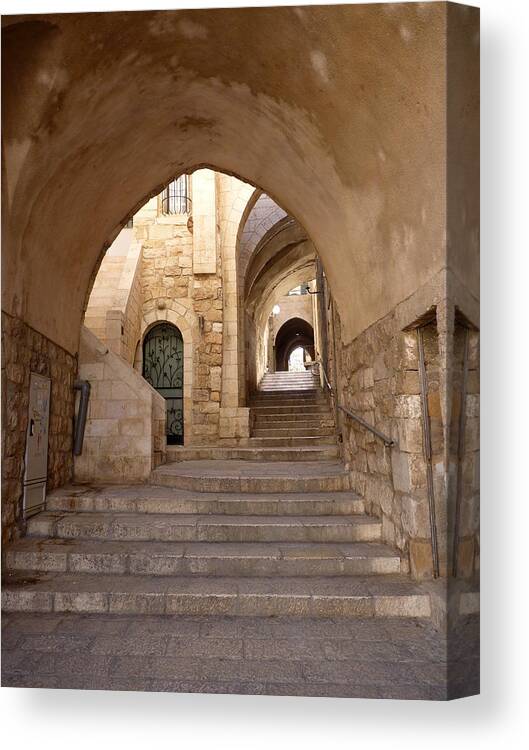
x=336, y=112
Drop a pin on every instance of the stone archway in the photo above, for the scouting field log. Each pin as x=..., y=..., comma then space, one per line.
x=351, y=139
x=294, y=333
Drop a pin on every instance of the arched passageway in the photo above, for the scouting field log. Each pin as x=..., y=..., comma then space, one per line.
x=293, y=333
x=351, y=138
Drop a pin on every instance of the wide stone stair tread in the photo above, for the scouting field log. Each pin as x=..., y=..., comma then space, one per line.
x=321, y=430
x=289, y=431
x=201, y=558
x=296, y=441
x=291, y=420
x=271, y=407
x=203, y=527
x=220, y=469
x=254, y=476
x=288, y=398
x=280, y=395
x=371, y=596
x=285, y=381
x=152, y=499
x=276, y=412
x=264, y=453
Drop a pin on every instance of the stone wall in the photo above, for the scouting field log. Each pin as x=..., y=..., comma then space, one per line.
x=293, y=306
x=125, y=430
x=233, y=198
x=25, y=350
x=186, y=275
x=114, y=309
x=379, y=381
x=168, y=283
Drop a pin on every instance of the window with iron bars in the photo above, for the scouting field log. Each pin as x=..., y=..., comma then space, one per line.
x=175, y=197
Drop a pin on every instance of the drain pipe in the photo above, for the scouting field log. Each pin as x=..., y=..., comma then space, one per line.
x=80, y=423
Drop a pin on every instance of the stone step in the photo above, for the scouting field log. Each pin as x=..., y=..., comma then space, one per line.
x=286, y=385
x=254, y=476
x=148, y=499
x=292, y=431
x=263, y=453
x=282, y=379
x=293, y=377
x=340, y=596
x=305, y=441
x=296, y=406
x=286, y=420
x=200, y=558
x=290, y=377
x=286, y=388
x=301, y=397
x=292, y=411
x=300, y=381
x=289, y=391
x=204, y=528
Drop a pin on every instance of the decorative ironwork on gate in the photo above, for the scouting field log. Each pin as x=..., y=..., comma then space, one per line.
x=163, y=368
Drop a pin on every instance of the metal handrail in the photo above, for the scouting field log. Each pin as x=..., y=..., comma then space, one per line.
x=80, y=422
x=387, y=440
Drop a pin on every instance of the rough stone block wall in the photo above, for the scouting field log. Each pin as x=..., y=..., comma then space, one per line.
x=125, y=430
x=379, y=381
x=113, y=313
x=25, y=350
x=167, y=275
x=293, y=306
x=131, y=318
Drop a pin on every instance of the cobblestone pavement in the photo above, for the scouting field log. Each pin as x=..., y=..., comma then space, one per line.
x=391, y=658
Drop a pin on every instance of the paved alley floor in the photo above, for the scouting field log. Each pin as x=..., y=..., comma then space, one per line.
x=400, y=658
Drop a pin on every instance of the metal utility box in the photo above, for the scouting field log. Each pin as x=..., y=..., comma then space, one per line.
x=36, y=459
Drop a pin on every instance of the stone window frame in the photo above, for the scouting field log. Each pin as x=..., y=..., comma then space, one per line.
x=164, y=198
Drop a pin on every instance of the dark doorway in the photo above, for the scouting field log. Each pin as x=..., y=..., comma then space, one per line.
x=294, y=333
x=163, y=368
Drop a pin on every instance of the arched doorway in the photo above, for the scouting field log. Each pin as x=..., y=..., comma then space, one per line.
x=296, y=360
x=293, y=334
x=163, y=368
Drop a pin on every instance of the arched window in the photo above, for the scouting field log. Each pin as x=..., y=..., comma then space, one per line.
x=175, y=199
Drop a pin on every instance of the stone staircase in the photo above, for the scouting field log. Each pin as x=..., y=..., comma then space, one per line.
x=290, y=411
x=290, y=419
x=289, y=381
x=275, y=531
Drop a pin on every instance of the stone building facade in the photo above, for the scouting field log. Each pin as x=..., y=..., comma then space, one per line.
x=187, y=267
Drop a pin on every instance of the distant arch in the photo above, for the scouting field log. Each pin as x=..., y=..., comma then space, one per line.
x=294, y=333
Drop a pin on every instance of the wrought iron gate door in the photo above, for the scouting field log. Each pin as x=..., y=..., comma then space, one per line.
x=163, y=368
